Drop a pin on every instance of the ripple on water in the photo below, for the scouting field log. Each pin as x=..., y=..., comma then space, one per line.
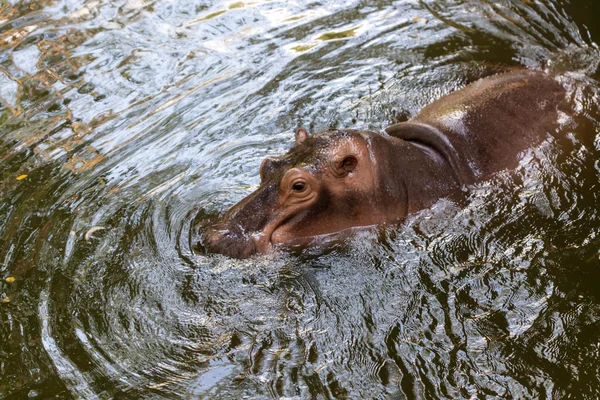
x=141, y=118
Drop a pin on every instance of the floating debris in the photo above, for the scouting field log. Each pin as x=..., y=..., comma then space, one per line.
x=5, y=300
x=10, y=279
x=420, y=20
x=91, y=232
x=21, y=177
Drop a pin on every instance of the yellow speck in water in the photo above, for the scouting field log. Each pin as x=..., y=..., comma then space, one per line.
x=10, y=279
x=303, y=47
x=420, y=20
x=338, y=35
x=239, y=4
x=21, y=177
x=5, y=300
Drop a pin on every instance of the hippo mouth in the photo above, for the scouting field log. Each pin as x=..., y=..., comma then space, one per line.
x=237, y=243
x=278, y=239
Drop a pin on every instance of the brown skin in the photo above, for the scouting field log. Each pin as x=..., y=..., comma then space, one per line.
x=339, y=179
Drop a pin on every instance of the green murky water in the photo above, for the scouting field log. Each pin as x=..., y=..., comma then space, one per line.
x=122, y=120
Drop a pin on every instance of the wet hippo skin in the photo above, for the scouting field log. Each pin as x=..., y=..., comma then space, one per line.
x=341, y=178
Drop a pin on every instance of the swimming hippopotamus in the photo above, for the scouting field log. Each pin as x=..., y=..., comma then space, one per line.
x=337, y=179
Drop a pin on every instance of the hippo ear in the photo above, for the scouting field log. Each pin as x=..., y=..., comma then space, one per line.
x=301, y=135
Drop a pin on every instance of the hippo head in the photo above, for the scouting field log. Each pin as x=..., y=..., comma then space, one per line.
x=326, y=183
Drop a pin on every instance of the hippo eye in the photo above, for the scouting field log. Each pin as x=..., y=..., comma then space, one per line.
x=298, y=186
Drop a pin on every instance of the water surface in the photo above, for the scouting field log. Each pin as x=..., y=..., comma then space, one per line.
x=121, y=121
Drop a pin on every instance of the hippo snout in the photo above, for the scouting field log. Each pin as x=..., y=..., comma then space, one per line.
x=246, y=228
x=228, y=243
x=234, y=242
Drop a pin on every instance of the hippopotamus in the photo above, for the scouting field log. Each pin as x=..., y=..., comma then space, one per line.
x=338, y=179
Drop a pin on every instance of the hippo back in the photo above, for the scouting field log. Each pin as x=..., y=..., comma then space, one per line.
x=492, y=120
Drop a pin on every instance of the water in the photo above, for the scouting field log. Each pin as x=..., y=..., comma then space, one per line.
x=129, y=118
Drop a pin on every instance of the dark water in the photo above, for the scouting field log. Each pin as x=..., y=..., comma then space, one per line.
x=128, y=118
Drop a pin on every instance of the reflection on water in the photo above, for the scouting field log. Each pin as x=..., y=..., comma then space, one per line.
x=121, y=121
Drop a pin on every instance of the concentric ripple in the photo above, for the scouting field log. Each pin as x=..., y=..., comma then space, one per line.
x=126, y=123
